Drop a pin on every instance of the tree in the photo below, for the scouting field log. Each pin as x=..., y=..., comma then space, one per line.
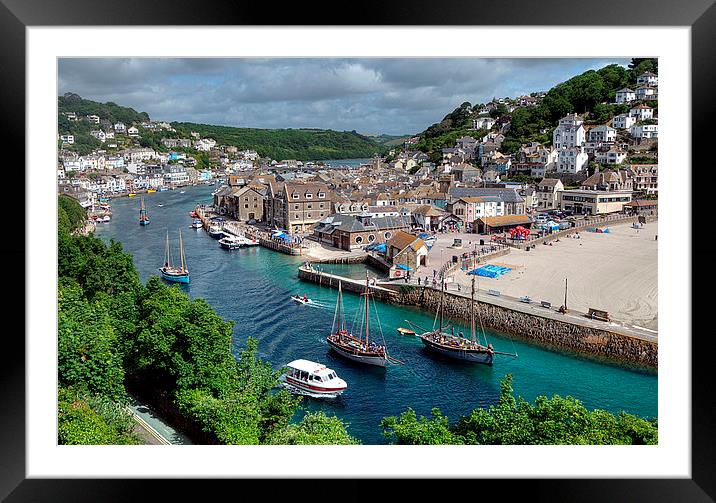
x=513, y=421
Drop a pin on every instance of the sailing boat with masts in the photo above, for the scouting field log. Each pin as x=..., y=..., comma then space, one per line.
x=143, y=217
x=346, y=344
x=460, y=347
x=177, y=274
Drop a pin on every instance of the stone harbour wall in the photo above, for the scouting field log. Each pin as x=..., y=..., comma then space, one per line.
x=542, y=330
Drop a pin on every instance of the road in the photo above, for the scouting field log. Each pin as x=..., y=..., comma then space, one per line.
x=153, y=429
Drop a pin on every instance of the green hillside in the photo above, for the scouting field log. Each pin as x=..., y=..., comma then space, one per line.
x=301, y=144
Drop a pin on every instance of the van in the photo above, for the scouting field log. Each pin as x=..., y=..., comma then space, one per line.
x=541, y=218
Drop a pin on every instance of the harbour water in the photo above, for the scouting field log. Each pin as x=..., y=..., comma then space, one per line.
x=252, y=286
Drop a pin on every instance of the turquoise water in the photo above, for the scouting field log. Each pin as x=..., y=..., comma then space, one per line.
x=252, y=287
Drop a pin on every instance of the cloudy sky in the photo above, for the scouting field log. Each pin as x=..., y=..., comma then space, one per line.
x=372, y=96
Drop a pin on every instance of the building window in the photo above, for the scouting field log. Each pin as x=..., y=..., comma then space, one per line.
x=387, y=235
x=295, y=196
x=371, y=237
x=321, y=195
x=359, y=239
x=309, y=195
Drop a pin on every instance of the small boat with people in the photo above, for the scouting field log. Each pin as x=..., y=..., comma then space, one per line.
x=229, y=242
x=301, y=300
x=406, y=331
x=305, y=376
x=196, y=224
x=174, y=273
x=182, y=191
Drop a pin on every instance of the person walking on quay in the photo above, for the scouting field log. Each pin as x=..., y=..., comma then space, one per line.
x=418, y=280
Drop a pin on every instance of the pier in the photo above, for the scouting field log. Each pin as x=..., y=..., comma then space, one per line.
x=314, y=275
x=236, y=228
x=532, y=322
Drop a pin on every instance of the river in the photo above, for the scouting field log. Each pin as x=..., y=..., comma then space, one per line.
x=252, y=287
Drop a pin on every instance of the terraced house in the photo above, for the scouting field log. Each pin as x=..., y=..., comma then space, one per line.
x=299, y=206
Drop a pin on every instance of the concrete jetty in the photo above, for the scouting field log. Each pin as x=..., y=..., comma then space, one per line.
x=531, y=322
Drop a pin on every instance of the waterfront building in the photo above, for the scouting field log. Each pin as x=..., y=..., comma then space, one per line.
x=242, y=203
x=645, y=178
x=514, y=204
x=406, y=249
x=470, y=208
x=547, y=192
x=350, y=232
x=298, y=206
x=594, y=202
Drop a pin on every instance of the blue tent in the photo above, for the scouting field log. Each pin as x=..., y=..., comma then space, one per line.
x=403, y=267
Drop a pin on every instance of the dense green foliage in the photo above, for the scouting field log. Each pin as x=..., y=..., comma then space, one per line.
x=279, y=144
x=514, y=421
x=112, y=112
x=591, y=93
x=111, y=328
x=92, y=420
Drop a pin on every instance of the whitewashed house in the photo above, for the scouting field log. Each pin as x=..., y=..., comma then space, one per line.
x=483, y=123
x=569, y=132
x=625, y=95
x=646, y=93
x=99, y=134
x=133, y=132
x=641, y=112
x=644, y=131
x=572, y=160
x=67, y=139
x=648, y=79
x=603, y=134
x=614, y=155
x=623, y=121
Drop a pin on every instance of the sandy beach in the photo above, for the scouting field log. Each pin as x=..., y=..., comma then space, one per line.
x=615, y=272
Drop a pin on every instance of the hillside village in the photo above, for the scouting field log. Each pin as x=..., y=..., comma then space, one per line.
x=484, y=182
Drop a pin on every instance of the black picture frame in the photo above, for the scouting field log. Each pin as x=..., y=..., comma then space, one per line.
x=16, y=15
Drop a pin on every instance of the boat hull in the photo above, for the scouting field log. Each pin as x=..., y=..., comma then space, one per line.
x=472, y=356
x=144, y=222
x=357, y=355
x=175, y=278
x=321, y=390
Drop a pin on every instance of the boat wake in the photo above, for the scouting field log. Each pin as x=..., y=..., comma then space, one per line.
x=298, y=391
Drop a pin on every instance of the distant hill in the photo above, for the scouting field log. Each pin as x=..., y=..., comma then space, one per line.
x=300, y=144
x=71, y=102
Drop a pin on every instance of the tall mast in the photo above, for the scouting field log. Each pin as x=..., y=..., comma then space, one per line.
x=366, y=310
x=181, y=253
x=338, y=308
x=442, y=290
x=565, y=293
x=166, y=252
x=472, y=310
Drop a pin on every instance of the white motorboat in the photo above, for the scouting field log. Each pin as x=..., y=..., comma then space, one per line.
x=301, y=300
x=305, y=376
x=229, y=242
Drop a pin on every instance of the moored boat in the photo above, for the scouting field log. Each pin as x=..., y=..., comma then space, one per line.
x=229, y=242
x=176, y=274
x=151, y=191
x=459, y=347
x=313, y=378
x=359, y=349
x=143, y=216
x=131, y=194
x=196, y=224
x=216, y=232
x=406, y=331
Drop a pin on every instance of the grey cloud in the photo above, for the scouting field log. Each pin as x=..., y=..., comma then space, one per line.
x=378, y=95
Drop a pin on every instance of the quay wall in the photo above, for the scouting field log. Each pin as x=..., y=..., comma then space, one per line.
x=543, y=330
x=347, y=284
